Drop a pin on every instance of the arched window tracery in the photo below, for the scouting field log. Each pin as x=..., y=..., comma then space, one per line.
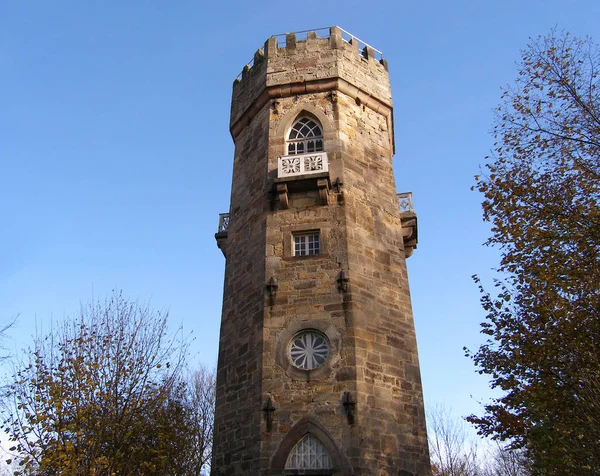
x=309, y=453
x=305, y=137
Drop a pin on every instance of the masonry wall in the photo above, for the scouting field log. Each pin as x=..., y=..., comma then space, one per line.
x=239, y=374
x=308, y=294
x=390, y=404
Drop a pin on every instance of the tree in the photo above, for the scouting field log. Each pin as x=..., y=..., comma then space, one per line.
x=453, y=451
x=456, y=452
x=103, y=395
x=199, y=401
x=542, y=195
x=505, y=461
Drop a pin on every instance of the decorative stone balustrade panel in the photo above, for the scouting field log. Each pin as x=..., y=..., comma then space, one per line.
x=302, y=164
x=223, y=222
x=405, y=202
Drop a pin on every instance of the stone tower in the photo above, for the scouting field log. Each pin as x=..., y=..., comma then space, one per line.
x=318, y=370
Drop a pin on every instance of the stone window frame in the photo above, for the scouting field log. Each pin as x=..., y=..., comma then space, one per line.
x=303, y=109
x=322, y=351
x=309, y=424
x=295, y=327
x=318, y=144
x=303, y=239
x=289, y=232
x=319, y=454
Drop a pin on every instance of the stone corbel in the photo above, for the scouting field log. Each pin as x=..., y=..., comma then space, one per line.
x=323, y=187
x=342, y=281
x=282, y=194
x=337, y=188
x=275, y=104
x=409, y=232
x=272, y=288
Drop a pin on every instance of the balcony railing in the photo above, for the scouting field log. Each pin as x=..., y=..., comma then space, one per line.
x=223, y=222
x=302, y=164
x=405, y=202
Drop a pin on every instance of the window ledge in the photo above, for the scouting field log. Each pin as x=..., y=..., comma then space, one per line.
x=300, y=258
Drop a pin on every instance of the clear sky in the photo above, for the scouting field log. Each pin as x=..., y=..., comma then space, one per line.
x=116, y=159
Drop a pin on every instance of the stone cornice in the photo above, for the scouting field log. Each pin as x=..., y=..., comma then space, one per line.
x=309, y=87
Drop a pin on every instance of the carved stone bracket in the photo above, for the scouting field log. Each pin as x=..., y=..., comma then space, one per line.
x=300, y=184
x=409, y=232
x=336, y=186
x=221, y=238
x=342, y=281
x=272, y=288
x=323, y=187
x=282, y=194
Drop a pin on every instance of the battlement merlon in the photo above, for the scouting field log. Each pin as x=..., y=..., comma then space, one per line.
x=311, y=65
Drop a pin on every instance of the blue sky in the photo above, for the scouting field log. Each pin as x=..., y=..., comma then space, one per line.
x=115, y=154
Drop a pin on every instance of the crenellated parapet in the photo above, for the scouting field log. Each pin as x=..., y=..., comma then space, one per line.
x=332, y=60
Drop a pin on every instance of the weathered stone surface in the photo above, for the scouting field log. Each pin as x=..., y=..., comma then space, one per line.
x=369, y=322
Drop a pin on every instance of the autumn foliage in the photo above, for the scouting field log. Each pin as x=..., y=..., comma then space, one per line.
x=541, y=193
x=104, y=395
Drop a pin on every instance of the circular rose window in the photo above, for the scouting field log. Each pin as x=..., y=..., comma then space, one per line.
x=308, y=349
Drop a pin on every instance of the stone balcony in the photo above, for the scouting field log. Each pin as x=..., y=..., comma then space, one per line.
x=408, y=218
x=301, y=172
x=221, y=234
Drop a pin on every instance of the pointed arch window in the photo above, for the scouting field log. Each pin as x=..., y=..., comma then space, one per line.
x=305, y=137
x=309, y=453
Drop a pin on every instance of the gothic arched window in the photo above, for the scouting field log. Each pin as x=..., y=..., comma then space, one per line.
x=306, y=136
x=309, y=453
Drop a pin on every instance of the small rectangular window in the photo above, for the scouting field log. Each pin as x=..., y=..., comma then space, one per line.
x=307, y=244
